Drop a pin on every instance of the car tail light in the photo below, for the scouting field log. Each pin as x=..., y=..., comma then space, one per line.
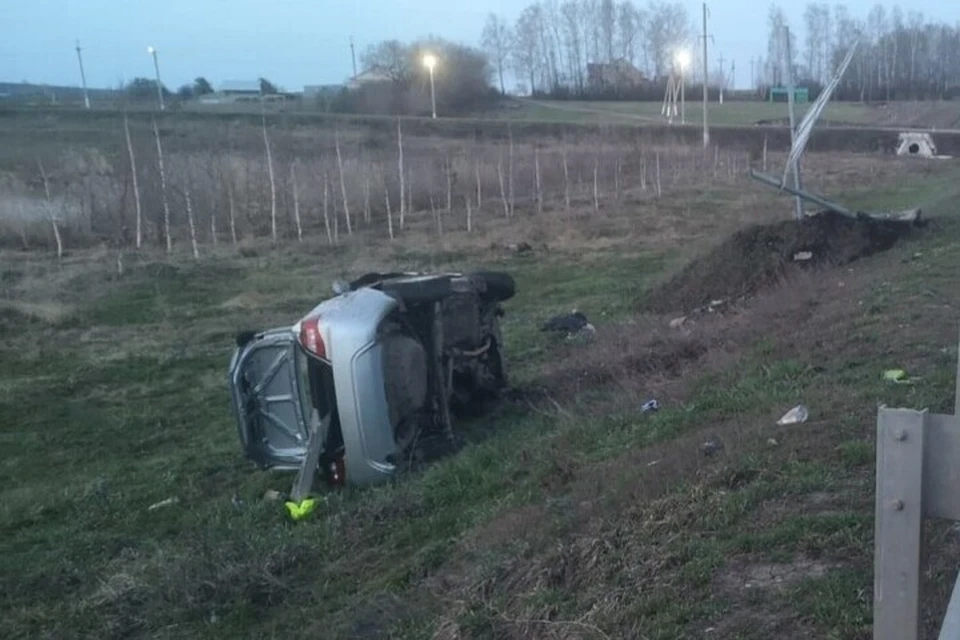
x=310, y=337
x=337, y=473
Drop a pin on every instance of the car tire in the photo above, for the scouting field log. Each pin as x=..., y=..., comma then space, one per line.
x=495, y=285
x=419, y=289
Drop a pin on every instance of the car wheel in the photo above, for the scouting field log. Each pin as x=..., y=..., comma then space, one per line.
x=419, y=289
x=495, y=285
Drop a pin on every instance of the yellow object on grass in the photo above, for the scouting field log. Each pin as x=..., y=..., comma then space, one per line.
x=895, y=375
x=302, y=510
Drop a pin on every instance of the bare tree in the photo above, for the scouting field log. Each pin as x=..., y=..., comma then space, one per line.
x=231, y=210
x=136, y=184
x=510, y=170
x=326, y=208
x=538, y=189
x=400, y=169
x=163, y=188
x=273, y=181
x=503, y=191
x=343, y=185
x=296, y=200
x=49, y=206
x=190, y=221
x=526, y=51
x=386, y=199
x=608, y=25
x=366, y=198
x=497, y=40
x=667, y=25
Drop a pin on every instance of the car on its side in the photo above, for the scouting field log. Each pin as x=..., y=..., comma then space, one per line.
x=371, y=373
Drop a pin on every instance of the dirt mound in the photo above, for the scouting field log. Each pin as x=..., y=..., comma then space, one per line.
x=760, y=255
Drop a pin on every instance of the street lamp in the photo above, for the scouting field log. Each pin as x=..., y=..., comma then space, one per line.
x=156, y=67
x=430, y=61
x=683, y=61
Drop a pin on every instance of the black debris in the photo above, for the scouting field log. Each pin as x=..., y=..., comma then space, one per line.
x=568, y=323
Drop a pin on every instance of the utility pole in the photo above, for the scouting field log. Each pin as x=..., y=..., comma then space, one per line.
x=706, y=76
x=353, y=55
x=733, y=75
x=722, y=77
x=788, y=75
x=753, y=74
x=83, y=78
x=156, y=67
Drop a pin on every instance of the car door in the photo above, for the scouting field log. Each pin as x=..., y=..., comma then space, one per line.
x=267, y=399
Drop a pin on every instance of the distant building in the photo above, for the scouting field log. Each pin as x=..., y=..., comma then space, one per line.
x=233, y=91
x=240, y=88
x=373, y=75
x=319, y=91
x=619, y=74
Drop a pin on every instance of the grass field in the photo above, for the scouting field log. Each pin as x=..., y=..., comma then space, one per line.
x=941, y=115
x=570, y=514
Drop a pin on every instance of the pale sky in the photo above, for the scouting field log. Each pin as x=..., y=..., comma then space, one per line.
x=298, y=42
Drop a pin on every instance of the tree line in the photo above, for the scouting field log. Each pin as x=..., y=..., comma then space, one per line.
x=551, y=43
x=901, y=55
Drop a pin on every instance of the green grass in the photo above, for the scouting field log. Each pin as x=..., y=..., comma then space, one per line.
x=729, y=113
x=550, y=519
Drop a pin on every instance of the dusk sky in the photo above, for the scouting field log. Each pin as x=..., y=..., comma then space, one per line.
x=297, y=42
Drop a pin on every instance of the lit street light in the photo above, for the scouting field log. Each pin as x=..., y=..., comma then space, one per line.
x=683, y=61
x=156, y=67
x=430, y=61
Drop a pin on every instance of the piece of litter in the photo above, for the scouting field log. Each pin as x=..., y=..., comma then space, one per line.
x=772, y=442
x=796, y=415
x=654, y=463
x=163, y=503
x=302, y=510
x=802, y=256
x=650, y=406
x=271, y=495
x=895, y=375
x=711, y=447
x=676, y=323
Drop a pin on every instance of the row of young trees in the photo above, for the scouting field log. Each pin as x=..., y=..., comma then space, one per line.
x=900, y=55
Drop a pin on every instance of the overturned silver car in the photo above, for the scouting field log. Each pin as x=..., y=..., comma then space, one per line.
x=359, y=385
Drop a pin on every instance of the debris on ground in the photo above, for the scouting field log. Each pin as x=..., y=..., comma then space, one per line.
x=760, y=255
x=237, y=501
x=678, y=323
x=271, y=495
x=300, y=510
x=802, y=256
x=898, y=376
x=574, y=324
x=797, y=415
x=163, y=503
x=650, y=406
x=772, y=442
x=711, y=447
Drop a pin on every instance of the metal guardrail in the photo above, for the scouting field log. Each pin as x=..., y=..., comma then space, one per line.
x=918, y=475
